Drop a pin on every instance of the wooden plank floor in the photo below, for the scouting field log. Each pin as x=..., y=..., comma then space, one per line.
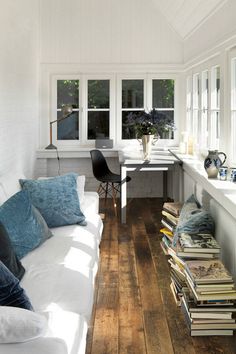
x=134, y=310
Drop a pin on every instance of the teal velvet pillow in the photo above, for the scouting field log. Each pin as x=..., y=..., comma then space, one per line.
x=25, y=226
x=56, y=199
x=194, y=220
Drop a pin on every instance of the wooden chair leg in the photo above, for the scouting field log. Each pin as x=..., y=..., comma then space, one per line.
x=114, y=198
x=106, y=192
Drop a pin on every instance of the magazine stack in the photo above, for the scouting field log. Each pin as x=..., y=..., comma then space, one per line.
x=209, y=302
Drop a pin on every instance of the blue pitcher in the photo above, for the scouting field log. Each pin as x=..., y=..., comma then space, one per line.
x=212, y=163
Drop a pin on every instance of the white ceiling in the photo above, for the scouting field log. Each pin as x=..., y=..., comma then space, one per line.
x=185, y=16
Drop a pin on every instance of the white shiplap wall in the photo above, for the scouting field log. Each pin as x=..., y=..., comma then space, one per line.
x=217, y=29
x=18, y=85
x=107, y=31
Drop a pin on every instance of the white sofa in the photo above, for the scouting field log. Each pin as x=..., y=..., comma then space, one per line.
x=59, y=279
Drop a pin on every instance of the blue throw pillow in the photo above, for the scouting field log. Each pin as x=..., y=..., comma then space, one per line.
x=56, y=199
x=194, y=220
x=11, y=293
x=23, y=223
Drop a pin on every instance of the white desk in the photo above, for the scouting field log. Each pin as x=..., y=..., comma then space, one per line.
x=132, y=161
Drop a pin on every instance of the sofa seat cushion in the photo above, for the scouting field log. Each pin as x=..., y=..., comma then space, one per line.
x=69, y=287
x=69, y=245
x=69, y=327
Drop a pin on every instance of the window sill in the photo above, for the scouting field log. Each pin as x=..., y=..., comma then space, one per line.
x=222, y=191
x=72, y=153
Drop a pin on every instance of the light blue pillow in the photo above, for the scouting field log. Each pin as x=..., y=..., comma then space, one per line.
x=56, y=199
x=25, y=226
x=194, y=220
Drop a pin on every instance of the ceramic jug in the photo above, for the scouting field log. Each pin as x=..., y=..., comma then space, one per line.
x=212, y=163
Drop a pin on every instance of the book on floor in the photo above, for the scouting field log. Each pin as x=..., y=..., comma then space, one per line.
x=170, y=217
x=173, y=207
x=207, y=271
x=203, y=243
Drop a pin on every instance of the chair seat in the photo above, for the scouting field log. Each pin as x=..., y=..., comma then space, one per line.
x=112, y=178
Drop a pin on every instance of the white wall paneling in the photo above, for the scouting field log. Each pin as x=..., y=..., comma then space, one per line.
x=19, y=42
x=107, y=31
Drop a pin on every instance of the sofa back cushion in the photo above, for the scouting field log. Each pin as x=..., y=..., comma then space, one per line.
x=24, y=224
x=8, y=256
x=57, y=199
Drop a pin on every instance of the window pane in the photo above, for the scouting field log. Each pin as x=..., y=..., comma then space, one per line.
x=168, y=119
x=68, y=129
x=98, y=93
x=68, y=93
x=98, y=124
x=195, y=91
x=128, y=131
x=132, y=93
x=163, y=93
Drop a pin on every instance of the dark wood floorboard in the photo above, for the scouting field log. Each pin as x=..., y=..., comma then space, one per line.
x=134, y=310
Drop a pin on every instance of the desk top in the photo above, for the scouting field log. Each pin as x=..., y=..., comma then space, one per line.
x=158, y=157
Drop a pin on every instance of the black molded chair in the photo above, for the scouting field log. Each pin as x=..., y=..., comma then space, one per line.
x=109, y=182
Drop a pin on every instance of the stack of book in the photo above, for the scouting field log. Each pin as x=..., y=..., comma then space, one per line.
x=209, y=302
x=170, y=215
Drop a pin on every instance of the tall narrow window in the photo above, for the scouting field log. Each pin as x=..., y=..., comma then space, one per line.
x=233, y=110
x=204, y=110
x=98, y=109
x=68, y=94
x=195, y=118
x=163, y=101
x=132, y=101
x=189, y=103
x=215, y=108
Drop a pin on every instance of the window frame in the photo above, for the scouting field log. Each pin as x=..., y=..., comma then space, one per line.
x=83, y=109
x=147, y=104
x=54, y=110
x=214, y=109
x=232, y=151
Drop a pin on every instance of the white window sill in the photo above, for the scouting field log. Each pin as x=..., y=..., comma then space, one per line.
x=222, y=191
x=71, y=153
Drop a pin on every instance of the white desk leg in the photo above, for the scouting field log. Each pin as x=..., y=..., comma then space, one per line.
x=123, y=195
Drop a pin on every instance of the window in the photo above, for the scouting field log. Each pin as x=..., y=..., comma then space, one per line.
x=215, y=108
x=189, y=103
x=98, y=109
x=132, y=100
x=102, y=102
x=163, y=101
x=195, y=117
x=233, y=110
x=159, y=94
x=68, y=94
x=204, y=110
